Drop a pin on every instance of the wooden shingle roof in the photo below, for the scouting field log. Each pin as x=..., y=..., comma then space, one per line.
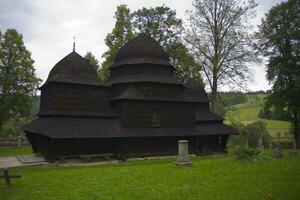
x=70, y=127
x=195, y=91
x=140, y=50
x=206, y=116
x=142, y=77
x=73, y=68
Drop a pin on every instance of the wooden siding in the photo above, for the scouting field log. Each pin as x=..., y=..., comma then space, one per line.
x=68, y=98
x=138, y=114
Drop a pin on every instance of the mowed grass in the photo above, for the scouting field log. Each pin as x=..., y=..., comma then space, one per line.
x=244, y=114
x=13, y=151
x=209, y=178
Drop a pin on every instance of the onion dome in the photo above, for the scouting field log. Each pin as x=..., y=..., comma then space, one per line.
x=142, y=49
x=74, y=69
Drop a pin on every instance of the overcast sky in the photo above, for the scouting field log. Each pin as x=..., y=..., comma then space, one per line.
x=48, y=27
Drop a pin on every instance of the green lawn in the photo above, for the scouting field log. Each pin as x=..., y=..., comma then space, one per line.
x=12, y=151
x=209, y=178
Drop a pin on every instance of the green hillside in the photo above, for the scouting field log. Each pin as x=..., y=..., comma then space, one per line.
x=248, y=113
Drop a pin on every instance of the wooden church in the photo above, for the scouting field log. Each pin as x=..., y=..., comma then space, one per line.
x=141, y=110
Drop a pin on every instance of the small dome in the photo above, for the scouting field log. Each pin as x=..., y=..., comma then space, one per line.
x=74, y=69
x=140, y=50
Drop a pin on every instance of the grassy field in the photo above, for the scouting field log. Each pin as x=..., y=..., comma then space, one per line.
x=209, y=178
x=12, y=151
x=248, y=113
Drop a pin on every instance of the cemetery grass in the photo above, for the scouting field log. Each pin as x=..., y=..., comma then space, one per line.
x=13, y=151
x=214, y=178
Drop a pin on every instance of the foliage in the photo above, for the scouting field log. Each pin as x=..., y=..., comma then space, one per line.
x=233, y=98
x=248, y=112
x=247, y=154
x=274, y=113
x=92, y=60
x=121, y=33
x=284, y=144
x=13, y=127
x=227, y=99
x=18, y=82
x=249, y=136
x=218, y=37
x=279, y=40
x=209, y=178
x=161, y=24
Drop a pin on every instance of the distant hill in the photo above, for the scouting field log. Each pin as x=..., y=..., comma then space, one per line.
x=248, y=113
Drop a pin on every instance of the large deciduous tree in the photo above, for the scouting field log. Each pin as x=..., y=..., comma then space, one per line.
x=161, y=24
x=218, y=37
x=18, y=82
x=279, y=41
x=121, y=33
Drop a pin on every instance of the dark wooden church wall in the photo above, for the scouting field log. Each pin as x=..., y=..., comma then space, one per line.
x=81, y=146
x=138, y=114
x=211, y=144
x=130, y=147
x=158, y=146
x=74, y=98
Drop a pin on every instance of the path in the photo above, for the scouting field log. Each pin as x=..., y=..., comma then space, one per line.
x=21, y=160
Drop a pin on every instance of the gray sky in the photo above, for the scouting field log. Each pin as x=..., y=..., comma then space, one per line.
x=48, y=27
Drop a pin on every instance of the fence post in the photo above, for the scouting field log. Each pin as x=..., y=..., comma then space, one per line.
x=19, y=141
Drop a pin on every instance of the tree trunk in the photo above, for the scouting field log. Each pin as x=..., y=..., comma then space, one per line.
x=296, y=128
x=214, y=95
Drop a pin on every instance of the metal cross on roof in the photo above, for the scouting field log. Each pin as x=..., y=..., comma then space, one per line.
x=74, y=43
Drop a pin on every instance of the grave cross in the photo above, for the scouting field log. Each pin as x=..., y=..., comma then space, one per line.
x=7, y=177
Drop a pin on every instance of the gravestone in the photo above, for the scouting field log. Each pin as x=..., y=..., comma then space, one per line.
x=270, y=145
x=260, y=145
x=183, y=154
x=277, y=153
x=294, y=151
x=19, y=141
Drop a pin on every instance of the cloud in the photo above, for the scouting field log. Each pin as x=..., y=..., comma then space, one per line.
x=49, y=26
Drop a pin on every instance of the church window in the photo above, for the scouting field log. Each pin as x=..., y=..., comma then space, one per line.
x=156, y=118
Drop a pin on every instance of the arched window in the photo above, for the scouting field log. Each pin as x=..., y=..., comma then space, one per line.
x=156, y=118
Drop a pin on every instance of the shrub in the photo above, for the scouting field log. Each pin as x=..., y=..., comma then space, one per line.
x=249, y=135
x=249, y=154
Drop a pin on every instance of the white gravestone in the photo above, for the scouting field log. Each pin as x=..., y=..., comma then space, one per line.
x=183, y=153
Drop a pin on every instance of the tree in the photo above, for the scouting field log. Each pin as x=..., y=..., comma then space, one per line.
x=18, y=82
x=93, y=61
x=121, y=34
x=218, y=37
x=279, y=40
x=161, y=24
